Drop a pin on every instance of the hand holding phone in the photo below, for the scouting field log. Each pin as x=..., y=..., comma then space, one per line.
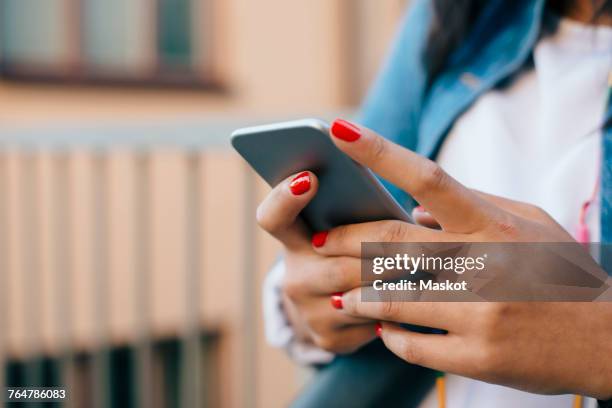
x=334, y=191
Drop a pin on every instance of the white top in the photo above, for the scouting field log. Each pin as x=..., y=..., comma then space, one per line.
x=535, y=141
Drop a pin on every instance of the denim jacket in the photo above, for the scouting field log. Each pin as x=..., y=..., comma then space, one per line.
x=404, y=109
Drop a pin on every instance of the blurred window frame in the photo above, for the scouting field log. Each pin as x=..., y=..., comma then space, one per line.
x=158, y=72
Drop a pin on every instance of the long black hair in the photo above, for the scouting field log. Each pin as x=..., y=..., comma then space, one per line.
x=453, y=20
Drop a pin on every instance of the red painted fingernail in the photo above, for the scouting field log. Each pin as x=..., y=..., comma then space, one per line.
x=300, y=183
x=336, y=300
x=318, y=239
x=378, y=329
x=345, y=130
x=419, y=208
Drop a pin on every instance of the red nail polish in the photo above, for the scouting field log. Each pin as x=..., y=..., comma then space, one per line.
x=318, y=239
x=378, y=329
x=336, y=300
x=345, y=130
x=300, y=183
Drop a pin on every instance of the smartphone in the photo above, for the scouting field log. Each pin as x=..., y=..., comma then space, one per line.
x=349, y=193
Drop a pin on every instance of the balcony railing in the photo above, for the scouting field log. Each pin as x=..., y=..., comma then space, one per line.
x=133, y=248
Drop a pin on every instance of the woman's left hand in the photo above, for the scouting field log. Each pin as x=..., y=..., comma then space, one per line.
x=539, y=347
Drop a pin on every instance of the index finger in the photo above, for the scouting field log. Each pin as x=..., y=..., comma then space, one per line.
x=440, y=352
x=454, y=206
x=438, y=315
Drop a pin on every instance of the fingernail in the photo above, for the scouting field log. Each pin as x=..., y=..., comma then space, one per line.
x=318, y=239
x=378, y=329
x=336, y=300
x=419, y=208
x=300, y=183
x=345, y=130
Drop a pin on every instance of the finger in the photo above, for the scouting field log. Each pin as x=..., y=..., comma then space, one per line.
x=348, y=339
x=455, y=207
x=437, y=351
x=332, y=275
x=424, y=218
x=438, y=315
x=323, y=311
x=346, y=240
x=278, y=213
x=518, y=208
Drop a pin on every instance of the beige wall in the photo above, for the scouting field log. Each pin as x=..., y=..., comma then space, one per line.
x=276, y=58
x=273, y=56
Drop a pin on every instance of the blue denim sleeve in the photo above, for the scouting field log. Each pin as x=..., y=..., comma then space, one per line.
x=392, y=106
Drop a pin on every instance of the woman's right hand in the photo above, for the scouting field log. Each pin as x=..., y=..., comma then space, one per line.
x=310, y=279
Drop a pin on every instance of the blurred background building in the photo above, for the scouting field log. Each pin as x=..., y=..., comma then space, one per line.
x=130, y=263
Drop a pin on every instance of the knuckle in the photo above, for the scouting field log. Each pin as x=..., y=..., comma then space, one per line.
x=506, y=227
x=263, y=218
x=379, y=149
x=338, y=236
x=269, y=220
x=394, y=231
x=388, y=310
x=350, y=304
x=329, y=343
x=433, y=177
x=539, y=213
x=410, y=351
x=539, y=210
x=337, y=275
x=291, y=287
x=316, y=325
x=493, y=317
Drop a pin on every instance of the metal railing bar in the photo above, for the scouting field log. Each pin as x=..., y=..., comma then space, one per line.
x=4, y=264
x=101, y=357
x=31, y=266
x=188, y=133
x=182, y=135
x=191, y=350
x=62, y=235
x=249, y=278
x=142, y=216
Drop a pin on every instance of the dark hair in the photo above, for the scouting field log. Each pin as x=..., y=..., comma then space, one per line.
x=453, y=20
x=451, y=23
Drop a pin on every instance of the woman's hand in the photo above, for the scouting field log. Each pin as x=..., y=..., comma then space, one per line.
x=548, y=348
x=312, y=279
x=540, y=347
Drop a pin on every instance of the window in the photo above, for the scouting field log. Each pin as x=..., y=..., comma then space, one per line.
x=36, y=372
x=167, y=373
x=116, y=375
x=170, y=357
x=142, y=42
x=122, y=388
